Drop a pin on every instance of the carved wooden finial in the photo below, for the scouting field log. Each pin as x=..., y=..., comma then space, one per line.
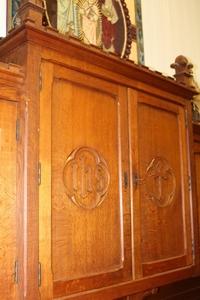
x=183, y=71
x=31, y=11
x=184, y=74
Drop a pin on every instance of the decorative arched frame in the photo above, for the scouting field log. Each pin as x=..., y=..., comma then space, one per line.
x=102, y=23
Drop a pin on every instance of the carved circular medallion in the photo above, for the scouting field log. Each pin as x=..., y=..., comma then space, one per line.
x=86, y=178
x=160, y=182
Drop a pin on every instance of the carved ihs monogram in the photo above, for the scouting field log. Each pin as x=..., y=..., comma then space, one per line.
x=86, y=178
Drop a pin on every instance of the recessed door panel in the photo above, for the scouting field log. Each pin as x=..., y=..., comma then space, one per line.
x=8, y=116
x=85, y=191
x=160, y=183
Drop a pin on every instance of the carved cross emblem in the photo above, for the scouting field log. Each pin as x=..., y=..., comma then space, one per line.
x=160, y=182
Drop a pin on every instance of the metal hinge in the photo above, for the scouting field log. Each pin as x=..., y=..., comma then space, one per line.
x=186, y=119
x=39, y=274
x=125, y=180
x=17, y=129
x=39, y=173
x=40, y=84
x=16, y=272
x=137, y=180
x=193, y=248
x=189, y=183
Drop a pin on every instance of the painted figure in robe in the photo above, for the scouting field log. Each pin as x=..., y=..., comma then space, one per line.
x=109, y=19
x=80, y=18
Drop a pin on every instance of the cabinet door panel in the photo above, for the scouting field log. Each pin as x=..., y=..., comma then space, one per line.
x=8, y=116
x=160, y=185
x=83, y=123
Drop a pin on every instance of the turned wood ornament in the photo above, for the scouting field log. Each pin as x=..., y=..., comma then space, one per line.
x=183, y=71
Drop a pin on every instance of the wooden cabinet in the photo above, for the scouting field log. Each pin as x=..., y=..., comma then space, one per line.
x=104, y=196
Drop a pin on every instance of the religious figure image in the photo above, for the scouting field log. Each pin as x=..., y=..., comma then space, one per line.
x=80, y=18
x=90, y=21
x=102, y=23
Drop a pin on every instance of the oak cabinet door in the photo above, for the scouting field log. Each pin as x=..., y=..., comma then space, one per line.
x=161, y=196
x=83, y=193
x=8, y=117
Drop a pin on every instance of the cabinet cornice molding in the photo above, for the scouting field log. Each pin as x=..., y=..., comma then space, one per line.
x=71, y=47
